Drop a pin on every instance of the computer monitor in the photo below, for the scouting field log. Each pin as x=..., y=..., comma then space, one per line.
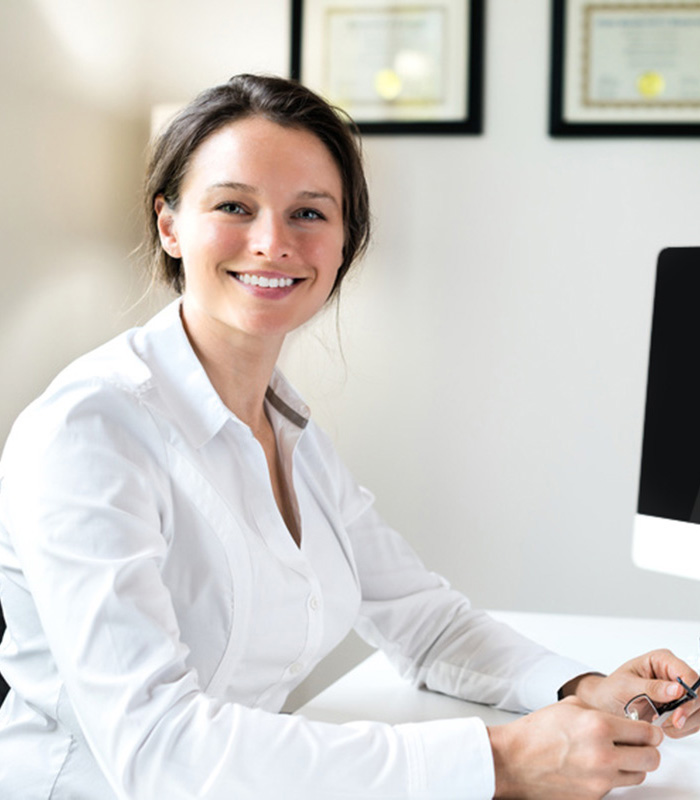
x=667, y=523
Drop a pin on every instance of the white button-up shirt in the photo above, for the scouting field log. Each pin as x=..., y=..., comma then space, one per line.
x=159, y=612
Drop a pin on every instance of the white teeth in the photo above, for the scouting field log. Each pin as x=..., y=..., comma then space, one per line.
x=265, y=283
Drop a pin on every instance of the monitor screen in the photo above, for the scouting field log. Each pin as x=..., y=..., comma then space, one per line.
x=668, y=511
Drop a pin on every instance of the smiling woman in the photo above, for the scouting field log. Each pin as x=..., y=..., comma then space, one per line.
x=180, y=544
x=275, y=100
x=260, y=204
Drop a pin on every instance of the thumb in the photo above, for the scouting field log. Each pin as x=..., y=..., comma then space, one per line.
x=663, y=691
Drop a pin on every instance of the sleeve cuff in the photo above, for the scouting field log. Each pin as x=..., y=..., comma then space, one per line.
x=539, y=686
x=451, y=759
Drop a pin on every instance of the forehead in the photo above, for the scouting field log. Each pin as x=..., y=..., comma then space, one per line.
x=255, y=149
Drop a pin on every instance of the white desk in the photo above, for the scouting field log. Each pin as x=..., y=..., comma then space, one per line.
x=374, y=691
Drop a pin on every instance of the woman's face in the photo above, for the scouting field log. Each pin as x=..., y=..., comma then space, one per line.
x=259, y=229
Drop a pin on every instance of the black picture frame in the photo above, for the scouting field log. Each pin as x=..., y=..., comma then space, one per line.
x=4, y=688
x=561, y=123
x=468, y=122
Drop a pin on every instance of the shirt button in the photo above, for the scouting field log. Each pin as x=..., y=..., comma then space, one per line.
x=314, y=603
x=296, y=668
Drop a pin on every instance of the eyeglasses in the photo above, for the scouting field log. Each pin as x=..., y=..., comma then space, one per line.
x=643, y=708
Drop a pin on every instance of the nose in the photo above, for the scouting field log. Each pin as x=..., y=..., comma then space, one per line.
x=269, y=238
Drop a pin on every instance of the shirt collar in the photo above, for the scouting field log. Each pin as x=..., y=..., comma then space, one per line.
x=182, y=389
x=284, y=399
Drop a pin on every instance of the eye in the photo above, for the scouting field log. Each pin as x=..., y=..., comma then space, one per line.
x=232, y=208
x=308, y=214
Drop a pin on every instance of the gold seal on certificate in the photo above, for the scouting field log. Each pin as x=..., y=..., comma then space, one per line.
x=388, y=85
x=651, y=84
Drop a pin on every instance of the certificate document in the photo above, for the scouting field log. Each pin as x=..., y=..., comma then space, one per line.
x=382, y=57
x=384, y=61
x=633, y=61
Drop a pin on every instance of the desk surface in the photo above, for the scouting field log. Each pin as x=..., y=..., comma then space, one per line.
x=374, y=691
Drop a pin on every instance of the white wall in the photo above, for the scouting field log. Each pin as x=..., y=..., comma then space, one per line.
x=79, y=80
x=496, y=345
x=494, y=342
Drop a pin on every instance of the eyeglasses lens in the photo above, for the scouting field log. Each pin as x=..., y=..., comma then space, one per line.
x=641, y=708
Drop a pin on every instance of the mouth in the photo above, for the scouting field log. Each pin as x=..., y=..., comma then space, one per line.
x=265, y=281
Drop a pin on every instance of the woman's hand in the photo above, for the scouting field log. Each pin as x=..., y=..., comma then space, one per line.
x=653, y=674
x=571, y=752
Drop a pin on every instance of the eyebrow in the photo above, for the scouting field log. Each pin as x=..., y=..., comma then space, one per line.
x=239, y=187
x=306, y=194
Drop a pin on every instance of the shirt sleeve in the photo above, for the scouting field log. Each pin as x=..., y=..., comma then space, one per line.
x=436, y=639
x=428, y=630
x=85, y=499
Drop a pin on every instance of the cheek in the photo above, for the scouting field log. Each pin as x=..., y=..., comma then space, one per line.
x=210, y=241
x=329, y=255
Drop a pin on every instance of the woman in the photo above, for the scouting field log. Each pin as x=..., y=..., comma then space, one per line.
x=181, y=544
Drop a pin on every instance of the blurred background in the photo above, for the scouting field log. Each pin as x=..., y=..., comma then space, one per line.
x=486, y=376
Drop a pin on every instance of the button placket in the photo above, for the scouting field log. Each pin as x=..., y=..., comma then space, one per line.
x=314, y=626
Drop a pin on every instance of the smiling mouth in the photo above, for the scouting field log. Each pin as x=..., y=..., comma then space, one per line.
x=263, y=281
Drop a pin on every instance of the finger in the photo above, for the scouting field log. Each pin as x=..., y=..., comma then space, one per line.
x=672, y=733
x=636, y=733
x=679, y=718
x=667, y=667
x=638, y=759
x=688, y=729
x=629, y=779
x=683, y=722
x=691, y=714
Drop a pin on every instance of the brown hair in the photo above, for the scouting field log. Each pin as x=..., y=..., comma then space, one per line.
x=284, y=102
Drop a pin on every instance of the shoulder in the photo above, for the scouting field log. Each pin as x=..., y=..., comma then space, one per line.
x=109, y=374
x=97, y=398
x=80, y=419
x=130, y=361
x=142, y=368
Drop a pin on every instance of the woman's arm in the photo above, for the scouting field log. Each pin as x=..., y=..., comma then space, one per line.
x=85, y=498
x=436, y=639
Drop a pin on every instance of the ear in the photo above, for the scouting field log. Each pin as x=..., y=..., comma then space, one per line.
x=166, y=227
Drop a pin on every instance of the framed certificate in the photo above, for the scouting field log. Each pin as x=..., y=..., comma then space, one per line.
x=395, y=67
x=625, y=68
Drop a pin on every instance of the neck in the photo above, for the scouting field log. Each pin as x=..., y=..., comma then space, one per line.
x=239, y=366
